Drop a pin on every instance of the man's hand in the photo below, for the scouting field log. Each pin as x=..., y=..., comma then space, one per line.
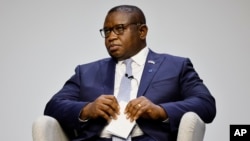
x=105, y=106
x=144, y=108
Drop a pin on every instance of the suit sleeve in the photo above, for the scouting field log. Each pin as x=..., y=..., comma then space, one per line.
x=194, y=97
x=65, y=105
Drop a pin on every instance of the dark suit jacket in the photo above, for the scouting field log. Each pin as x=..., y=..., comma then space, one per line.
x=169, y=81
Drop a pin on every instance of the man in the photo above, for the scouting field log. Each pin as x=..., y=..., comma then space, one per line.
x=163, y=88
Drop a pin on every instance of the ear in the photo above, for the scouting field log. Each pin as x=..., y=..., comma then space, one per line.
x=143, y=30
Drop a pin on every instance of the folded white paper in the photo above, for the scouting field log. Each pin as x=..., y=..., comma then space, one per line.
x=121, y=127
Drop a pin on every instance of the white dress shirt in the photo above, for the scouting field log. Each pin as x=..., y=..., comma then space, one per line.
x=137, y=68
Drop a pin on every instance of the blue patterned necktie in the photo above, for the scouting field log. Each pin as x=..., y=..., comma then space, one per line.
x=124, y=91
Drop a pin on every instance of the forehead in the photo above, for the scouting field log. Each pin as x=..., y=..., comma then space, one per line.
x=117, y=17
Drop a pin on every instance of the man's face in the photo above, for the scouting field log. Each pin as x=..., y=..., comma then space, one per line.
x=128, y=43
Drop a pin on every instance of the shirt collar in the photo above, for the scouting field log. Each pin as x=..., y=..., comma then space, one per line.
x=140, y=57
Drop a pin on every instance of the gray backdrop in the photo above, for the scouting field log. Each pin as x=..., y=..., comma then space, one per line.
x=41, y=42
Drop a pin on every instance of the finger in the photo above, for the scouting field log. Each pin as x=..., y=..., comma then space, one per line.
x=104, y=111
x=104, y=115
x=140, y=110
x=131, y=105
x=103, y=107
x=132, y=110
x=134, y=102
x=111, y=101
x=109, y=109
x=114, y=105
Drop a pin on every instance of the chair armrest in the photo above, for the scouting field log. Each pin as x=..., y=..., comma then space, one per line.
x=191, y=128
x=46, y=128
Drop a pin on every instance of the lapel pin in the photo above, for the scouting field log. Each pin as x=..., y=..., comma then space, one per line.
x=151, y=61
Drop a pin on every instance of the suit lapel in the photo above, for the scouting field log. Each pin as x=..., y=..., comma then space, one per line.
x=108, y=75
x=151, y=67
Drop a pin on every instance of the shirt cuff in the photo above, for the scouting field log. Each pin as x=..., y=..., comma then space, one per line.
x=166, y=120
x=81, y=120
x=86, y=120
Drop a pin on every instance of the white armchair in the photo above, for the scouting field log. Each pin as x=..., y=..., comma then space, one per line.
x=191, y=128
x=46, y=128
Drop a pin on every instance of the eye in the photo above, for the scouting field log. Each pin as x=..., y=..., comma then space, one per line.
x=119, y=28
x=106, y=30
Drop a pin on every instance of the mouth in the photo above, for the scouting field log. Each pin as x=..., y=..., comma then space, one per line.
x=113, y=47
